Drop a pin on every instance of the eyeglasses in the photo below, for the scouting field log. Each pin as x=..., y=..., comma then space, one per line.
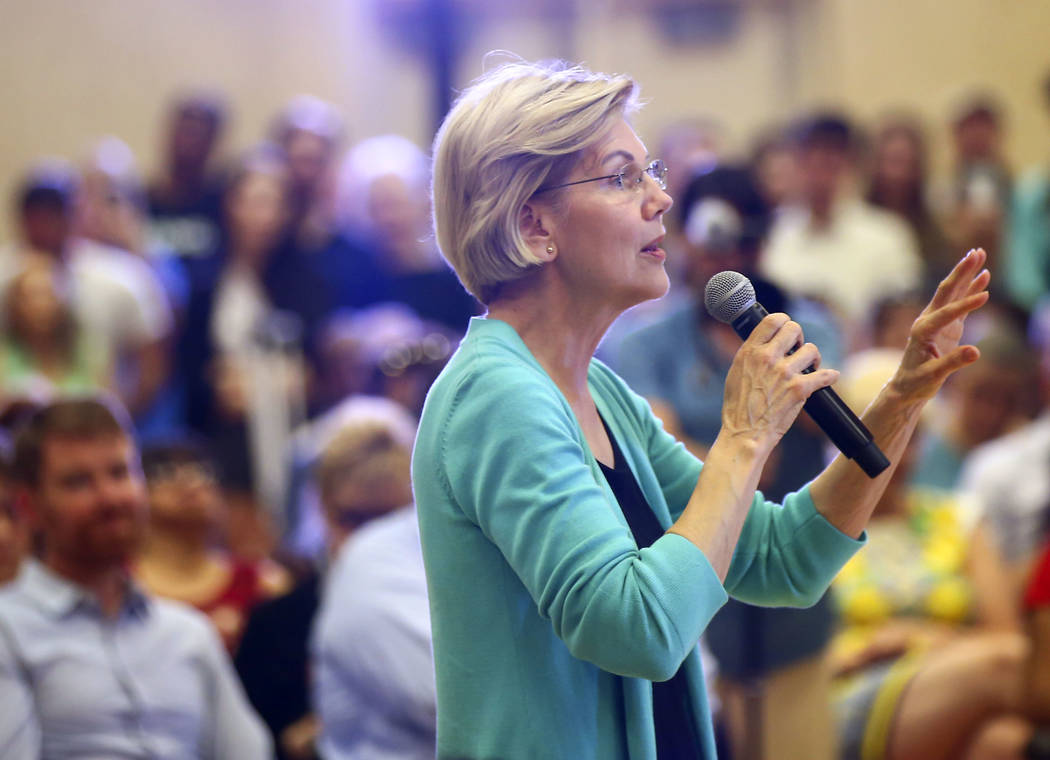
x=183, y=472
x=629, y=178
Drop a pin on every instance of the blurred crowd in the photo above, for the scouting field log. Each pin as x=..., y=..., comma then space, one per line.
x=261, y=335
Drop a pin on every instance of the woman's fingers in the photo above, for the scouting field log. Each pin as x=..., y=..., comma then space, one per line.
x=925, y=381
x=959, y=279
x=960, y=357
x=822, y=378
x=807, y=356
x=929, y=324
x=786, y=339
x=980, y=282
x=769, y=327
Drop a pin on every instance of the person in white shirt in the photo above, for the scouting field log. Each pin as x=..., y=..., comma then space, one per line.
x=91, y=666
x=1009, y=477
x=371, y=652
x=116, y=297
x=831, y=245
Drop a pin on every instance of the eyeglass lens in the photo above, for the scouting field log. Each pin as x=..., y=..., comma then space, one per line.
x=633, y=176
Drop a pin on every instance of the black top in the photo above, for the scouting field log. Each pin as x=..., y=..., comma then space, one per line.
x=273, y=657
x=673, y=714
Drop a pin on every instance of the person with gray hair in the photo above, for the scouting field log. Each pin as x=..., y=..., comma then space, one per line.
x=371, y=657
x=384, y=196
x=575, y=551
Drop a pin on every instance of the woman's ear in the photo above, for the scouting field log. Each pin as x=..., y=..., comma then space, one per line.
x=537, y=237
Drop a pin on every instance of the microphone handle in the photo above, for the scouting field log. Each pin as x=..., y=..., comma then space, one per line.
x=828, y=410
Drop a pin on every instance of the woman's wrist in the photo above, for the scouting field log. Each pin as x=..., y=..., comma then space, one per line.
x=741, y=447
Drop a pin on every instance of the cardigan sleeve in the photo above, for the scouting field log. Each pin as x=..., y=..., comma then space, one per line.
x=513, y=461
x=786, y=555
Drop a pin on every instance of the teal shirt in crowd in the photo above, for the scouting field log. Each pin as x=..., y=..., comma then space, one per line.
x=549, y=622
x=1027, y=264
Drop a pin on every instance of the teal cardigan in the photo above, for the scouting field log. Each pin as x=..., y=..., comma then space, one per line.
x=549, y=623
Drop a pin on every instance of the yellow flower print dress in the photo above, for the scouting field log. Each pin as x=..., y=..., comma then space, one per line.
x=913, y=566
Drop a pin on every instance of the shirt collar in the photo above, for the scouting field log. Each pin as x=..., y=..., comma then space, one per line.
x=60, y=596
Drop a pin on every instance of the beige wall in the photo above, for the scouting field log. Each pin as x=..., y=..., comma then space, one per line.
x=74, y=70
x=922, y=53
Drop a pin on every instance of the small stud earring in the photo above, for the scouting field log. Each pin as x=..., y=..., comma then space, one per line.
x=550, y=249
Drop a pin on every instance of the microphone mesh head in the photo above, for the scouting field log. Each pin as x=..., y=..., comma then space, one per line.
x=727, y=295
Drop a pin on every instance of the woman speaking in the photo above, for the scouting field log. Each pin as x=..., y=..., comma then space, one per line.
x=575, y=551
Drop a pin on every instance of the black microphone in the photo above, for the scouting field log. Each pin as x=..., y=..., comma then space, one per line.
x=730, y=298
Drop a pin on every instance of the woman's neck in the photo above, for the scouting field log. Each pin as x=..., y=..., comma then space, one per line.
x=183, y=552
x=562, y=335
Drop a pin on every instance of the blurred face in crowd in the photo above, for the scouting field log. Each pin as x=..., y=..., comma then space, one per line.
x=823, y=171
x=37, y=305
x=977, y=138
x=185, y=495
x=257, y=210
x=776, y=171
x=90, y=502
x=898, y=161
x=400, y=215
x=47, y=227
x=309, y=156
x=105, y=213
x=193, y=136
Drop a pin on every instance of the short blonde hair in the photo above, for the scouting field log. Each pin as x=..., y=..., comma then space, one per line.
x=514, y=130
x=371, y=444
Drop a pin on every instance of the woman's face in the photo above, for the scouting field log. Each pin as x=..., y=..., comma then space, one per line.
x=898, y=160
x=186, y=494
x=309, y=160
x=105, y=213
x=258, y=210
x=608, y=240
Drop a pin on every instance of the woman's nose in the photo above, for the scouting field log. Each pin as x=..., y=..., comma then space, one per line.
x=658, y=201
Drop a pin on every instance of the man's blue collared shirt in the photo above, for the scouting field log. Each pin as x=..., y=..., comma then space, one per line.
x=151, y=682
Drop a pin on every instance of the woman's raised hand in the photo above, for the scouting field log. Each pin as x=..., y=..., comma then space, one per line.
x=767, y=386
x=933, y=351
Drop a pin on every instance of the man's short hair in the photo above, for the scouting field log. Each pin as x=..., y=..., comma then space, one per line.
x=977, y=106
x=205, y=106
x=51, y=186
x=828, y=130
x=80, y=418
